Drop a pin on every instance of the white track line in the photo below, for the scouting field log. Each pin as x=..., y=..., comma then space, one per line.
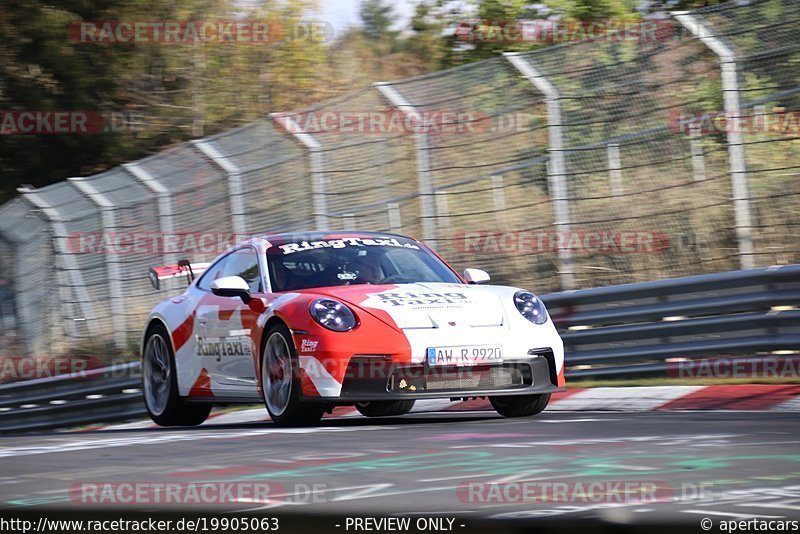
x=628, y=399
x=792, y=405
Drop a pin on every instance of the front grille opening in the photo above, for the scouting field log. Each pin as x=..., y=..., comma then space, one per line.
x=483, y=378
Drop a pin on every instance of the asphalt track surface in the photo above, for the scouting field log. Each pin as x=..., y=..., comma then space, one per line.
x=717, y=465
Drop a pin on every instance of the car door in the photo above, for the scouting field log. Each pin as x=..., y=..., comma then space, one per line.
x=229, y=325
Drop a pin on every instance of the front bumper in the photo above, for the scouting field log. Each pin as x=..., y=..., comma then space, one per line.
x=367, y=379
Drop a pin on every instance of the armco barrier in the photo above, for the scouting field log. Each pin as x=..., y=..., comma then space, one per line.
x=616, y=331
x=100, y=395
x=633, y=329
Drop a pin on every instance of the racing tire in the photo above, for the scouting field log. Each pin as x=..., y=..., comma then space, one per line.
x=384, y=408
x=280, y=380
x=520, y=406
x=160, y=384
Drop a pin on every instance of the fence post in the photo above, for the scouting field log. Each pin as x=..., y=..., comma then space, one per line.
x=73, y=277
x=427, y=206
x=442, y=207
x=236, y=190
x=20, y=312
x=395, y=222
x=498, y=193
x=164, y=197
x=615, y=170
x=319, y=179
x=557, y=170
x=113, y=271
x=736, y=151
x=698, y=158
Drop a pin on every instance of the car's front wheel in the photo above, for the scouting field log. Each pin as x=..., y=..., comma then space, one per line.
x=384, y=408
x=520, y=406
x=280, y=379
x=160, y=384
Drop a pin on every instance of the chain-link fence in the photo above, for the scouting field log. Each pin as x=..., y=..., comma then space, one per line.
x=627, y=173
x=32, y=305
x=765, y=43
x=486, y=166
x=361, y=175
x=627, y=157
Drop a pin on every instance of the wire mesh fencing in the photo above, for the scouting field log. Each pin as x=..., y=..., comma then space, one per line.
x=486, y=155
x=32, y=315
x=274, y=175
x=128, y=243
x=620, y=158
x=764, y=40
x=632, y=179
x=361, y=162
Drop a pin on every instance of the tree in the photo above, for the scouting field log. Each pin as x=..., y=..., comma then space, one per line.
x=377, y=18
x=430, y=40
x=588, y=10
x=175, y=91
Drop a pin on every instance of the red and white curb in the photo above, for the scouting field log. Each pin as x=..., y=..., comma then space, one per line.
x=750, y=397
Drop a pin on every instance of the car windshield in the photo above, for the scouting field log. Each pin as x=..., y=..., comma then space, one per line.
x=353, y=260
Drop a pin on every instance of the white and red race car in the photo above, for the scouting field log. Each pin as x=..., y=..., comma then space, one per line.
x=306, y=322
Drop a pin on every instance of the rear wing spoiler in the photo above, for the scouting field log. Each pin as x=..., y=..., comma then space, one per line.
x=183, y=268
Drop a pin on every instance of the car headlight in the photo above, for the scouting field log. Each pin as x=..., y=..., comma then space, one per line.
x=530, y=307
x=333, y=315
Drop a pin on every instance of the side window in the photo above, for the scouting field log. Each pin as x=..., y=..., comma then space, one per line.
x=244, y=264
x=214, y=272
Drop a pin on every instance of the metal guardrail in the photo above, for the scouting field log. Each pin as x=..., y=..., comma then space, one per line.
x=100, y=395
x=634, y=329
x=616, y=331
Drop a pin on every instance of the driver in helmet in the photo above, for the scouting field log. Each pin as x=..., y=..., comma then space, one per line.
x=369, y=272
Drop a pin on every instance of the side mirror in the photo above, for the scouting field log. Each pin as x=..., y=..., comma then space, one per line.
x=231, y=286
x=476, y=276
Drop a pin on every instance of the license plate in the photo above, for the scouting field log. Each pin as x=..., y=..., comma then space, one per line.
x=465, y=355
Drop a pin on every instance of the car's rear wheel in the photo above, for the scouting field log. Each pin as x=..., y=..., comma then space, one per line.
x=520, y=406
x=384, y=408
x=160, y=384
x=280, y=378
